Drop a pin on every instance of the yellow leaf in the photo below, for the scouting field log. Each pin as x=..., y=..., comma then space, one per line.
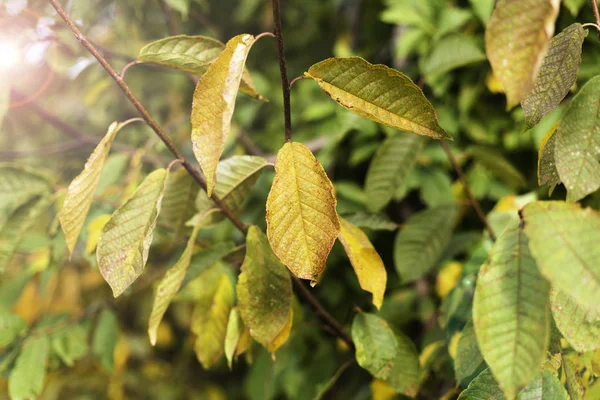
x=547, y=173
x=283, y=335
x=493, y=84
x=213, y=105
x=94, y=230
x=302, y=223
x=244, y=343
x=82, y=188
x=453, y=345
x=367, y=264
x=448, y=278
x=381, y=390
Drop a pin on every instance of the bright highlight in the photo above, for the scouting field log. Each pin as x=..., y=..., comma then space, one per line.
x=9, y=55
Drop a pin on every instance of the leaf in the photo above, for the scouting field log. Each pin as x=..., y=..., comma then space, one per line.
x=563, y=234
x=577, y=145
x=18, y=185
x=26, y=379
x=11, y=326
x=574, y=370
x=70, y=344
x=183, y=6
x=81, y=190
x=283, y=335
x=205, y=258
x=547, y=173
x=379, y=93
x=375, y=222
x=516, y=40
x=365, y=260
x=94, y=230
x=390, y=166
x=178, y=202
x=213, y=105
x=468, y=356
x=191, y=54
x=386, y=354
x=451, y=52
x=574, y=6
x=557, y=74
x=302, y=222
x=19, y=223
x=125, y=239
x=579, y=325
x=209, y=322
x=105, y=338
x=420, y=244
x=498, y=165
x=545, y=386
x=169, y=286
x=510, y=313
x=235, y=328
x=236, y=176
x=264, y=289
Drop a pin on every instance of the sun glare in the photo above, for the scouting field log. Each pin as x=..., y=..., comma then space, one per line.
x=9, y=55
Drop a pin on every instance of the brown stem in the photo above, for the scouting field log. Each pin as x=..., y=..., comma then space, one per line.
x=596, y=14
x=472, y=200
x=285, y=84
x=145, y=115
x=171, y=26
x=298, y=78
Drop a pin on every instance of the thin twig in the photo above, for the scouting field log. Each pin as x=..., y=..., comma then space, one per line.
x=285, y=84
x=298, y=78
x=472, y=200
x=145, y=115
x=596, y=14
x=127, y=66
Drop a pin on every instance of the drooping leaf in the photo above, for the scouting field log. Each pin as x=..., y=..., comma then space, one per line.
x=580, y=326
x=125, y=239
x=209, y=322
x=564, y=234
x=264, y=289
x=516, y=40
x=511, y=314
x=94, y=230
x=547, y=173
x=557, y=74
x=574, y=6
x=386, y=354
x=283, y=335
x=236, y=177
x=498, y=165
x=235, y=328
x=70, y=344
x=420, y=243
x=179, y=199
x=81, y=190
x=375, y=222
x=169, y=285
x=468, y=356
x=391, y=164
x=213, y=105
x=18, y=185
x=379, y=93
x=19, y=223
x=365, y=260
x=26, y=379
x=302, y=223
x=191, y=54
x=451, y=52
x=11, y=326
x=105, y=338
x=577, y=144
x=205, y=258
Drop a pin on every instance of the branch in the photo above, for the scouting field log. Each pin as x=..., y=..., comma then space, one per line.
x=596, y=14
x=285, y=84
x=303, y=291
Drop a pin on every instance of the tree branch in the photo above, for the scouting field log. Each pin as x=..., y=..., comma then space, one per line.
x=285, y=84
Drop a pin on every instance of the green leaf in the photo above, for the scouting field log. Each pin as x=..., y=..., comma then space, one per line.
x=209, y=322
x=545, y=386
x=391, y=164
x=577, y=145
x=11, y=326
x=169, y=286
x=510, y=313
x=379, y=93
x=26, y=379
x=264, y=289
x=71, y=344
x=450, y=20
x=420, y=243
x=557, y=74
x=365, y=260
x=235, y=328
x=214, y=103
x=178, y=203
x=483, y=9
x=468, y=356
x=498, y=166
x=574, y=6
x=302, y=222
x=125, y=239
x=183, y=6
x=547, y=173
x=454, y=51
x=436, y=187
x=574, y=370
x=386, y=354
x=105, y=338
x=375, y=222
x=516, y=40
x=236, y=176
x=81, y=190
x=19, y=223
x=205, y=258
x=563, y=234
x=580, y=326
